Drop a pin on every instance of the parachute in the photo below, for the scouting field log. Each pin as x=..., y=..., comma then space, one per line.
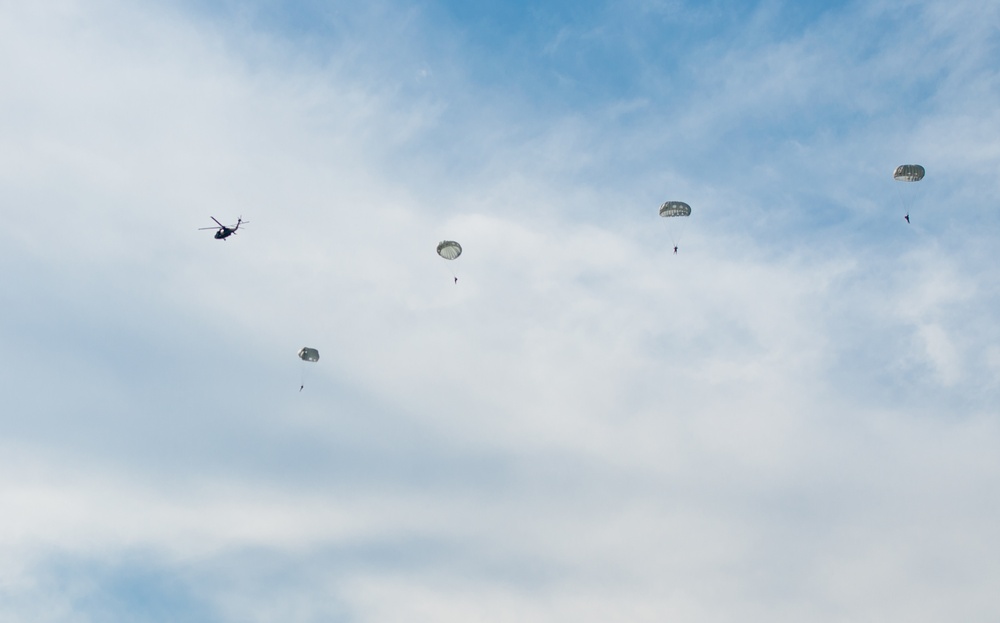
x=907, y=173
x=449, y=249
x=671, y=210
x=674, y=208
x=309, y=354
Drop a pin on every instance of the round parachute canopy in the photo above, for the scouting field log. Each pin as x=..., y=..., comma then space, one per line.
x=675, y=208
x=908, y=173
x=309, y=354
x=449, y=249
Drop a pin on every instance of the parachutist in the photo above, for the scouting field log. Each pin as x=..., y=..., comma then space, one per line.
x=908, y=173
x=307, y=354
x=671, y=210
x=450, y=250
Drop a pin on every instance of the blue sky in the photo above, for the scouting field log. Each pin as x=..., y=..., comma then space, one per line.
x=794, y=418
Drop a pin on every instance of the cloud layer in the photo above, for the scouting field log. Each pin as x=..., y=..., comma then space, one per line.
x=794, y=417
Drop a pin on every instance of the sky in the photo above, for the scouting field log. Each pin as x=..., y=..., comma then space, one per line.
x=795, y=417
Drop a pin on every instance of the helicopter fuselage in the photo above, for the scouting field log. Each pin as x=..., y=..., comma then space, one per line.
x=222, y=231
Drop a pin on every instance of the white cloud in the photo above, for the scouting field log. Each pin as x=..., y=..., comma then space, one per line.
x=794, y=417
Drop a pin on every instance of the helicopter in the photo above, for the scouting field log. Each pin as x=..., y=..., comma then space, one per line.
x=223, y=231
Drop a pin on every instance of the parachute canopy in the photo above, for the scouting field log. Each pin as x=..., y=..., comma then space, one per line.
x=449, y=249
x=675, y=208
x=308, y=354
x=908, y=173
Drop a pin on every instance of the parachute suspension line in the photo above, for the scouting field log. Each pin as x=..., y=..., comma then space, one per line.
x=676, y=231
x=901, y=200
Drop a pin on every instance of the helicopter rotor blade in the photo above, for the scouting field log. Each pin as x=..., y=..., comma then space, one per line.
x=217, y=221
x=200, y=228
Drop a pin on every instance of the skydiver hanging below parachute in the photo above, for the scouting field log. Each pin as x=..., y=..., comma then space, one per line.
x=450, y=250
x=672, y=210
x=908, y=173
